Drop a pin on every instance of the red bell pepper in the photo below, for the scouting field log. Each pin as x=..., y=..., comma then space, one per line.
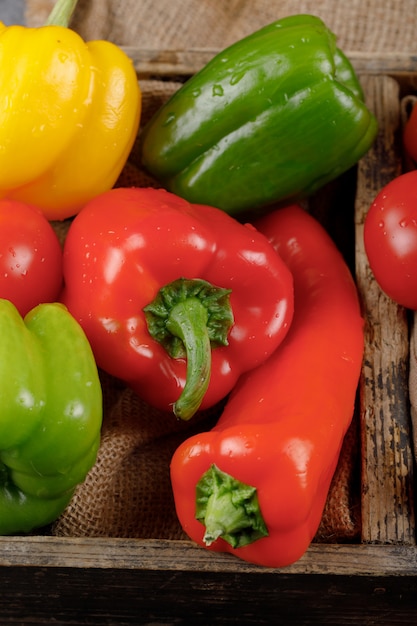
x=176, y=299
x=256, y=484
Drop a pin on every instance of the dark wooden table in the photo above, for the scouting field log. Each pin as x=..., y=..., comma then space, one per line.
x=46, y=580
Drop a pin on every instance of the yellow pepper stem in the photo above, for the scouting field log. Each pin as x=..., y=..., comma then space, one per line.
x=61, y=13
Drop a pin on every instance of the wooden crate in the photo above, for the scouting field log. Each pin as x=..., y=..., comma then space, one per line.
x=55, y=580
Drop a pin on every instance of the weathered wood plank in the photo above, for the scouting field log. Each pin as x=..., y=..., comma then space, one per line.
x=103, y=553
x=166, y=63
x=412, y=387
x=387, y=459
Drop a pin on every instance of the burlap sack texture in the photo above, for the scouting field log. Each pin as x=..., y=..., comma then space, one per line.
x=377, y=26
x=128, y=492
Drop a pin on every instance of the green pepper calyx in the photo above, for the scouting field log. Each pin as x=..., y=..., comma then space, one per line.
x=229, y=509
x=188, y=318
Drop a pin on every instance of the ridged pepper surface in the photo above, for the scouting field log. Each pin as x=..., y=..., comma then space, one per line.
x=275, y=116
x=69, y=113
x=176, y=299
x=50, y=414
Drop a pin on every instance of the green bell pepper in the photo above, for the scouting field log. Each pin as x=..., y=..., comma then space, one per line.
x=50, y=414
x=271, y=118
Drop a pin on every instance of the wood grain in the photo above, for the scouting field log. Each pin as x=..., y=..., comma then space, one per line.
x=160, y=555
x=387, y=457
x=156, y=63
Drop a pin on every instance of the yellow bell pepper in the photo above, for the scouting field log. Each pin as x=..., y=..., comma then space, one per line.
x=69, y=114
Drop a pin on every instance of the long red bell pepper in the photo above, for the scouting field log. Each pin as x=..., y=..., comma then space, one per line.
x=256, y=484
x=176, y=299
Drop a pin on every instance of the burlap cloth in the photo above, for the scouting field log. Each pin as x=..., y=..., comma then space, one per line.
x=128, y=492
x=378, y=26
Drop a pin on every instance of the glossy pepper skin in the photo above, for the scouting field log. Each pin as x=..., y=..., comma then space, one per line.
x=275, y=116
x=50, y=414
x=262, y=474
x=70, y=112
x=128, y=244
x=30, y=256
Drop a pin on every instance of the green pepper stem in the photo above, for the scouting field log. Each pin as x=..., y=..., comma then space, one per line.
x=61, y=13
x=229, y=509
x=223, y=518
x=190, y=317
x=188, y=321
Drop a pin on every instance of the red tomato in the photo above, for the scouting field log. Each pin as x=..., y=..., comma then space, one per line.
x=390, y=238
x=30, y=256
x=410, y=135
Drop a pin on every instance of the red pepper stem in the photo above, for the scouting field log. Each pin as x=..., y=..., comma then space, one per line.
x=188, y=322
x=61, y=13
x=229, y=509
x=190, y=317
